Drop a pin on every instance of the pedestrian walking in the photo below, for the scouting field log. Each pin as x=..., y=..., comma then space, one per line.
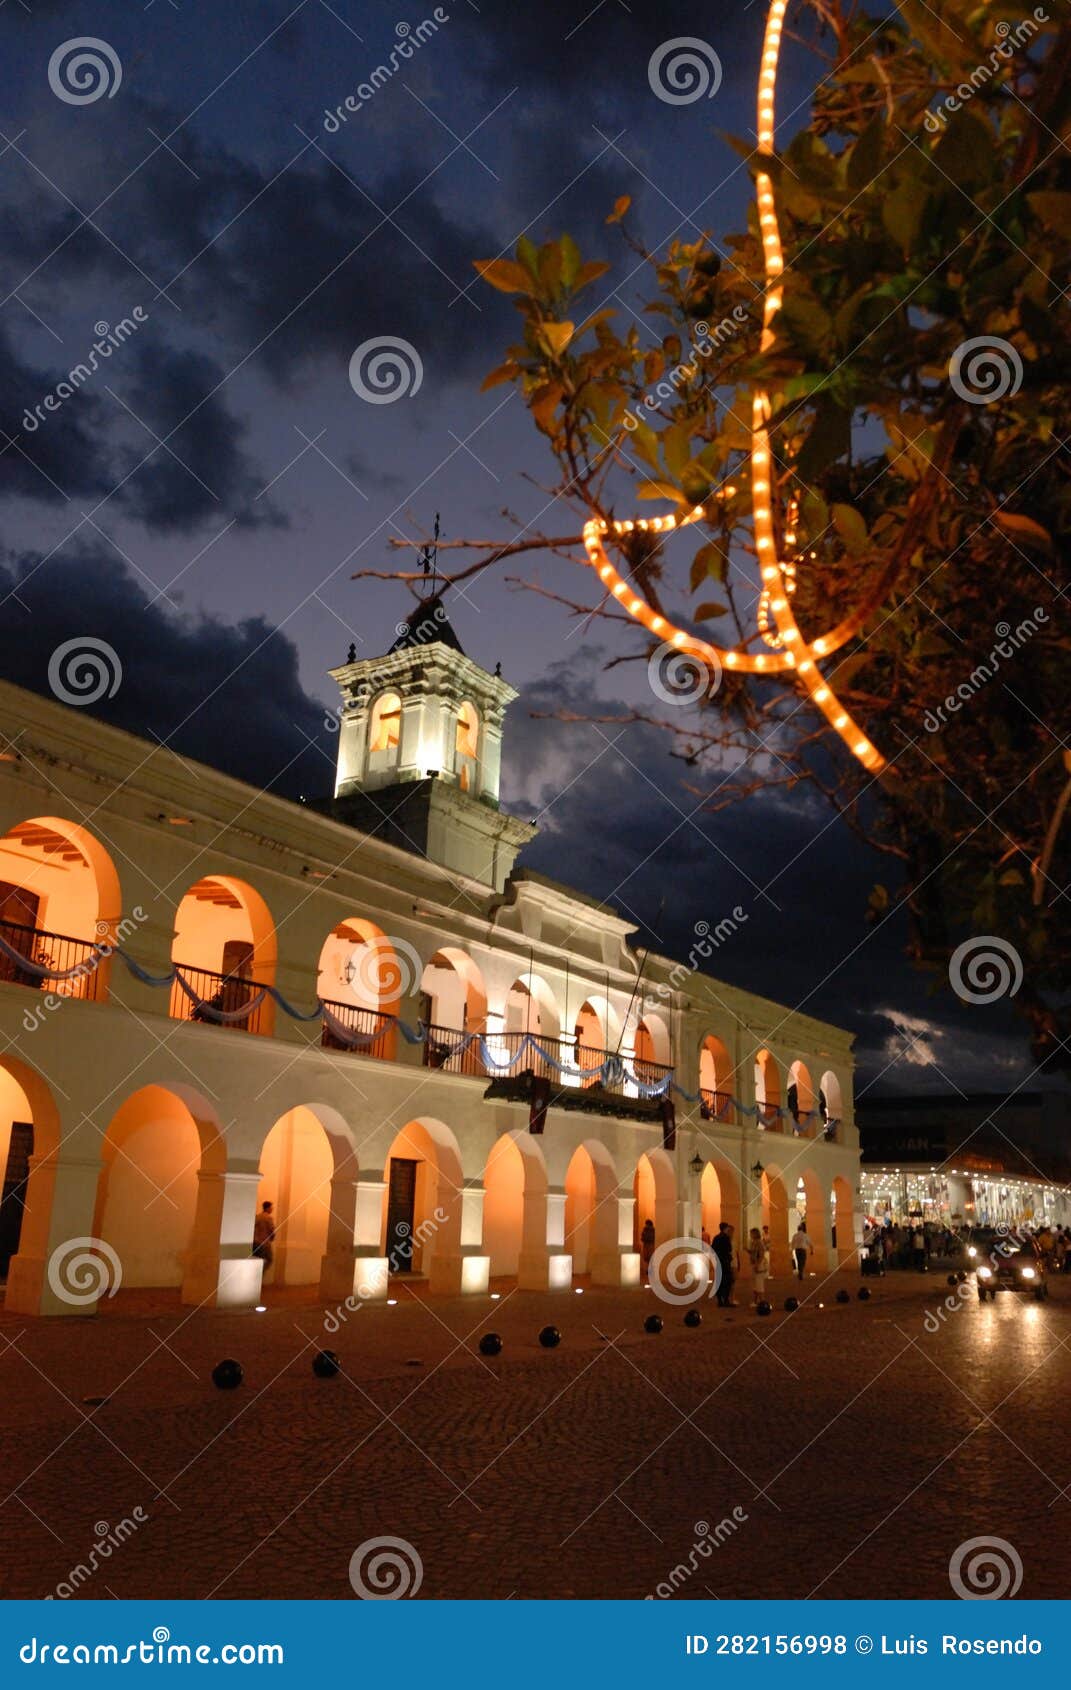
x=725, y=1251
x=801, y=1249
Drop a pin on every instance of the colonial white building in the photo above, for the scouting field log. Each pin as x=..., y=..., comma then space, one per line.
x=431, y=1061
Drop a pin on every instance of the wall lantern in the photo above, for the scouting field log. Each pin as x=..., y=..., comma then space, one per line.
x=757, y=1171
x=696, y=1164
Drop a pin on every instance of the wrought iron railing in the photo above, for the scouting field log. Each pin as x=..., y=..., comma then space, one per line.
x=368, y=1031
x=72, y=966
x=220, y=1000
x=715, y=1105
x=549, y=1056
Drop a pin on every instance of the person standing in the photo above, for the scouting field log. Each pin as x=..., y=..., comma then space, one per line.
x=264, y=1235
x=801, y=1249
x=647, y=1244
x=760, y=1265
x=727, y=1259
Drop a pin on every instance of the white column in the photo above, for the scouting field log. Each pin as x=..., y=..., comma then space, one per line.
x=221, y=1270
x=370, y=1266
x=60, y=1200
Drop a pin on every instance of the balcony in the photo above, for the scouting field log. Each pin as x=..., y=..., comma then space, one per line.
x=220, y=1000
x=50, y=962
x=536, y=1078
x=367, y=1031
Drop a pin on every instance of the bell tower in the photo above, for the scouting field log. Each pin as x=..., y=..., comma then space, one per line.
x=420, y=750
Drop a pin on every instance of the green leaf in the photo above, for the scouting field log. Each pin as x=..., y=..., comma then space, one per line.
x=1054, y=209
x=1023, y=528
x=528, y=254
x=504, y=372
x=504, y=274
x=829, y=439
x=709, y=563
x=570, y=261
x=902, y=212
x=556, y=336
x=851, y=528
x=660, y=490
x=864, y=160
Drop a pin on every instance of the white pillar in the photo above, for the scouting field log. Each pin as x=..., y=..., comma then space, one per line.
x=61, y=1197
x=221, y=1270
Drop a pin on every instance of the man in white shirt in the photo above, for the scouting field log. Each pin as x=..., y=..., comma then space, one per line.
x=801, y=1249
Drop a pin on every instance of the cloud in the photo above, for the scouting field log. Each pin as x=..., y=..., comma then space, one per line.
x=226, y=694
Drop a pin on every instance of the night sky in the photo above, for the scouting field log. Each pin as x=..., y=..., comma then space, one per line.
x=203, y=501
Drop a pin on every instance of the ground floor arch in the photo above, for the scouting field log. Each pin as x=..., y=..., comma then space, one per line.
x=719, y=1196
x=515, y=1207
x=844, y=1218
x=29, y=1137
x=777, y=1216
x=654, y=1188
x=424, y=1201
x=591, y=1207
x=148, y=1207
x=308, y=1173
x=812, y=1212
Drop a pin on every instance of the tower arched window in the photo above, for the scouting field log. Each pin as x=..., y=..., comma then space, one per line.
x=385, y=729
x=466, y=745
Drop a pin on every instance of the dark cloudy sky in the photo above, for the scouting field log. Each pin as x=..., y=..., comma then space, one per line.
x=202, y=502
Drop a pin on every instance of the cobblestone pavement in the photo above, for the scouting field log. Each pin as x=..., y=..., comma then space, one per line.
x=859, y=1445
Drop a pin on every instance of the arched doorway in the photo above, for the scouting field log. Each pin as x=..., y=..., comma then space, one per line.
x=161, y=1146
x=308, y=1173
x=715, y=1080
x=776, y=1216
x=24, y=1135
x=844, y=1218
x=719, y=1197
x=591, y=1208
x=225, y=947
x=360, y=982
x=455, y=1004
x=768, y=1091
x=515, y=1208
x=831, y=1103
x=422, y=1206
x=59, y=902
x=800, y=1097
x=650, y=1057
x=530, y=1010
x=596, y=1031
x=654, y=1189
x=812, y=1213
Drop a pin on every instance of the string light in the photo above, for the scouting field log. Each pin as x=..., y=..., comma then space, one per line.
x=788, y=649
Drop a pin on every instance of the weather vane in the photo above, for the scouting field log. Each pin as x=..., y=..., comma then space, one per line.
x=429, y=563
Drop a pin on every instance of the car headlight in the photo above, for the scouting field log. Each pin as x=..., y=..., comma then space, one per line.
x=971, y=1251
x=1028, y=1273
x=985, y=1273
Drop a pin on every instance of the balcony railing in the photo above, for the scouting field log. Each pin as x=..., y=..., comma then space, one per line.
x=50, y=962
x=220, y=1000
x=715, y=1105
x=346, y=1026
x=546, y=1062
